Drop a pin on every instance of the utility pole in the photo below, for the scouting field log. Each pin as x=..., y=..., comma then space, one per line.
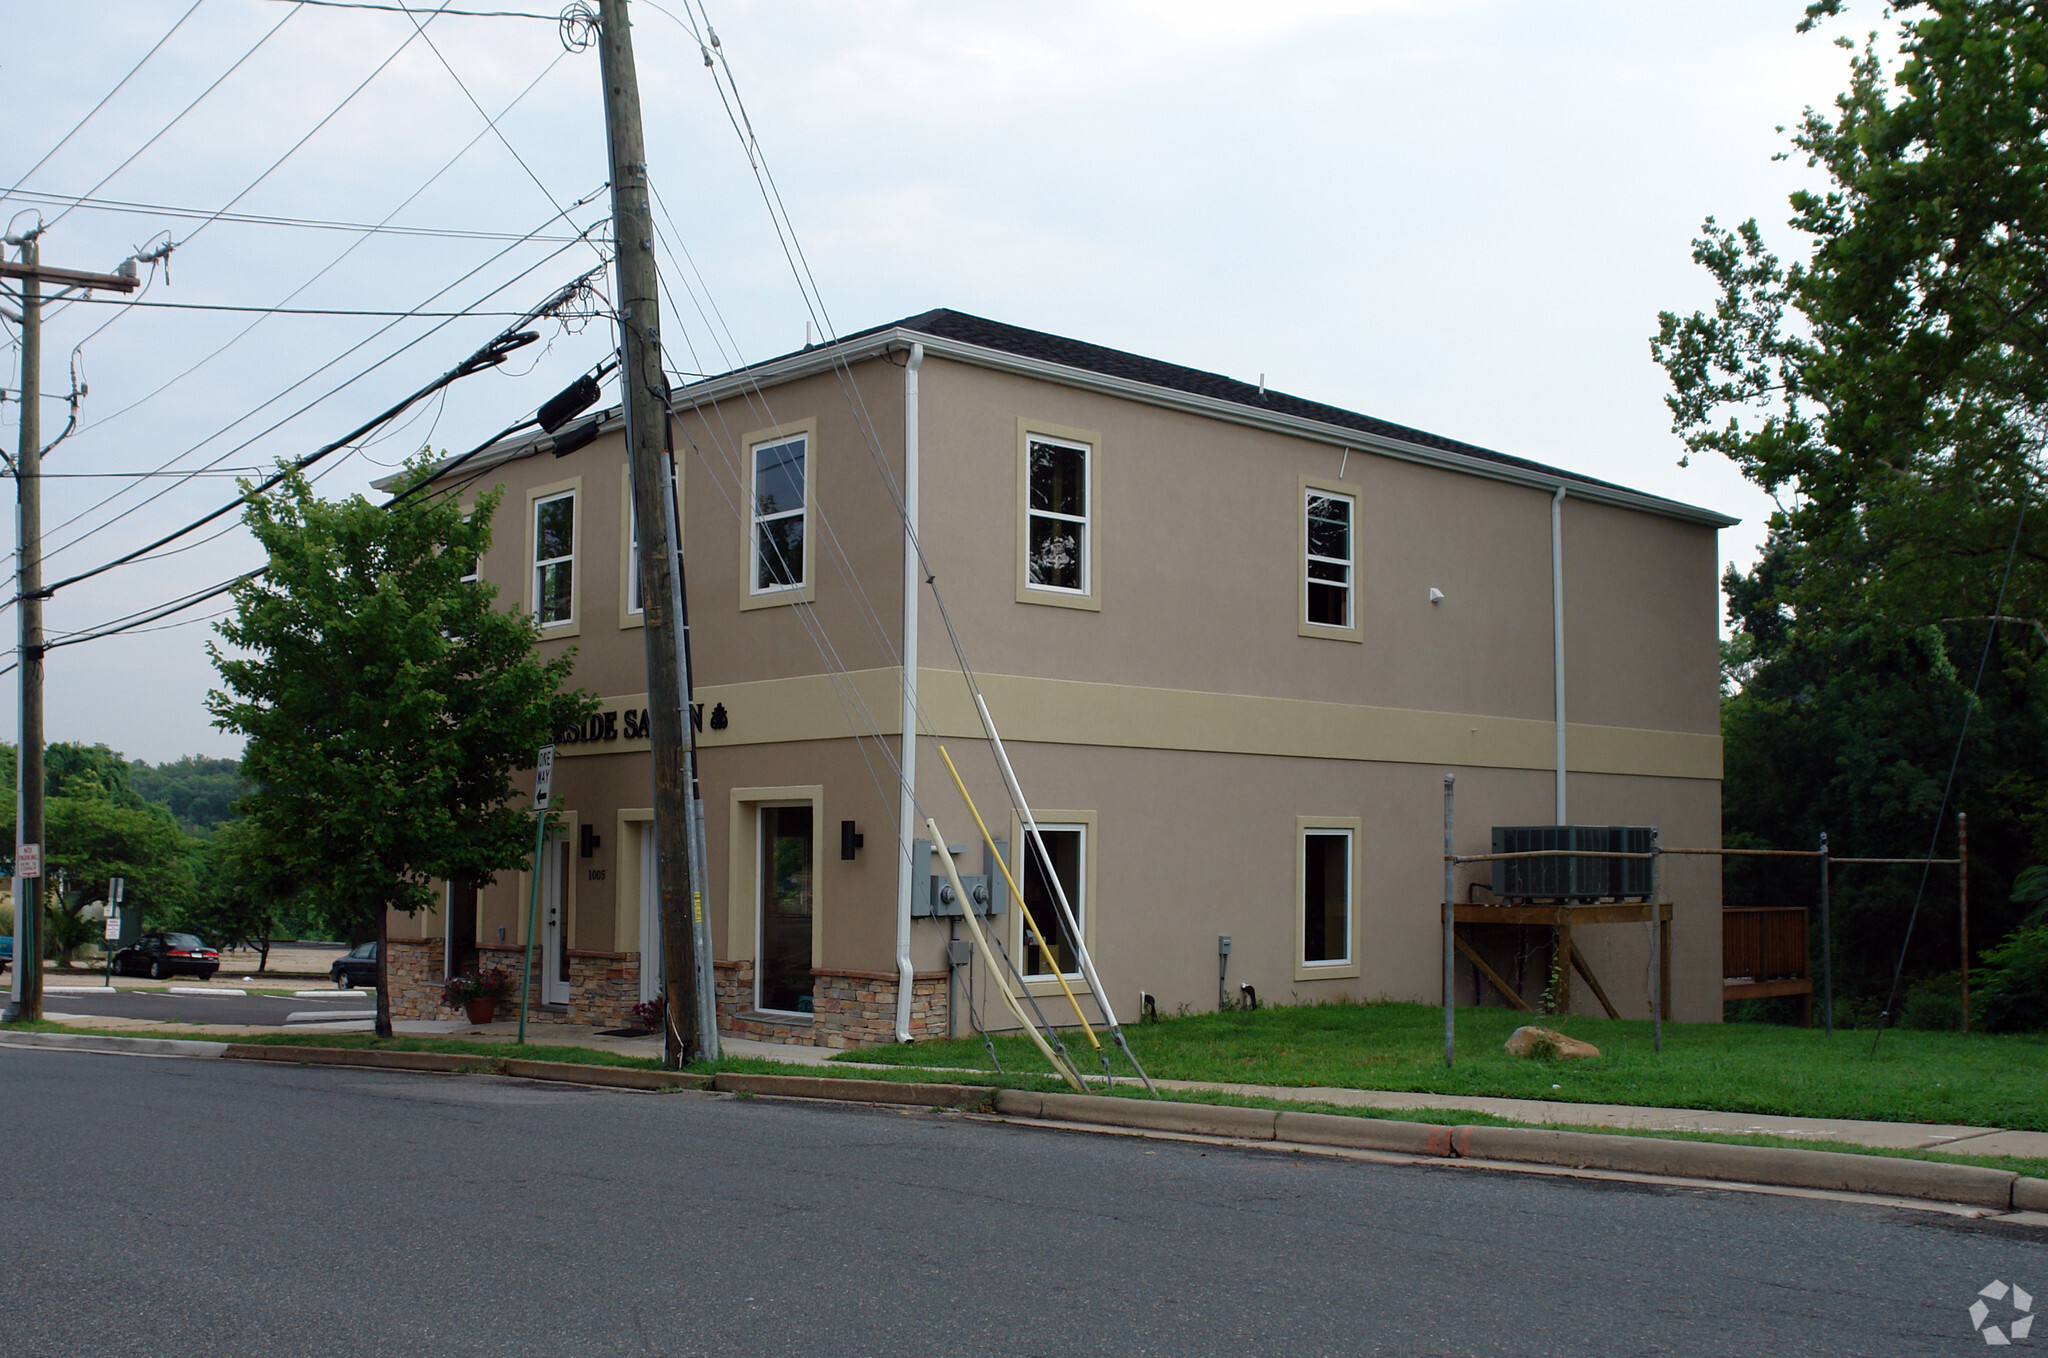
x=26, y=1000
x=685, y=935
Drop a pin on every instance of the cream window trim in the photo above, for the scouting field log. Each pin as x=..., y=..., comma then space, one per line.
x=743, y=865
x=783, y=596
x=1089, y=597
x=630, y=615
x=1019, y=849
x=1327, y=971
x=626, y=893
x=578, y=557
x=1302, y=626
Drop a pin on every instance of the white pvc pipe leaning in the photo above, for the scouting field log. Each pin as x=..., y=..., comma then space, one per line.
x=906, y=822
x=1557, y=631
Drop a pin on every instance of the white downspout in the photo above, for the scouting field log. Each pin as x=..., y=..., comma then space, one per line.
x=1557, y=631
x=906, y=816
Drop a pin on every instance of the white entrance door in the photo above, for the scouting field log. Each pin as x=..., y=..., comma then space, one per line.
x=650, y=916
x=554, y=923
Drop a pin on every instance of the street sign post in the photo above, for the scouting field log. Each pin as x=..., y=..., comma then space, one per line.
x=543, y=780
x=113, y=936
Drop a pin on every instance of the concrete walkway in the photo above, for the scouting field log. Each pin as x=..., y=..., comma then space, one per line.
x=1960, y=1140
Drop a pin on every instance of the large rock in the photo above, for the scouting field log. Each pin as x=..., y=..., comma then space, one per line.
x=1527, y=1041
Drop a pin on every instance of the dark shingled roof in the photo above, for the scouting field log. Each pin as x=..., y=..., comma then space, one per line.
x=1014, y=339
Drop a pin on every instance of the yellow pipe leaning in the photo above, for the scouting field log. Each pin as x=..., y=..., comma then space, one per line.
x=1066, y=1070
x=1031, y=923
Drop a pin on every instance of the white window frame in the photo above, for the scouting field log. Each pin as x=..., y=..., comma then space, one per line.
x=1089, y=445
x=1336, y=490
x=755, y=518
x=1045, y=983
x=1352, y=829
x=476, y=563
x=1084, y=522
x=1348, y=563
x=774, y=596
x=541, y=565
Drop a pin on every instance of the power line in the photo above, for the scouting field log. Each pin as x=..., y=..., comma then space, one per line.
x=258, y=218
x=336, y=261
x=382, y=330
x=160, y=132
x=118, y=86
x=293, y=311
x=433, y=13
x=488, y=356
x=138, y=621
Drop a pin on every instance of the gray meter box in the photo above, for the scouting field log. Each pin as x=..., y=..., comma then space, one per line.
x=931, y=895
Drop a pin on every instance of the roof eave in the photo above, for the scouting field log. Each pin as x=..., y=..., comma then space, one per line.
x=823, y=357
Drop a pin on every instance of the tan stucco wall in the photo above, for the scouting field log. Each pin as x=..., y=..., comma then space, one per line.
x=1187, y=712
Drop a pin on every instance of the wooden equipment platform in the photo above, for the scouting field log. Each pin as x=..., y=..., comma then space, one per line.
x=1561, y=917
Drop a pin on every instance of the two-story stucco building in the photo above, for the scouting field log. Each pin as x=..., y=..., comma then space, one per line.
x=1233, y=639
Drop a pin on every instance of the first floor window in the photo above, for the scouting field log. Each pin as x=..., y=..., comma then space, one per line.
x=1325, y=896
x=1056, y=554
x=780, y=496
x=554, y=559
x=1052, y=948
x=1330, y=559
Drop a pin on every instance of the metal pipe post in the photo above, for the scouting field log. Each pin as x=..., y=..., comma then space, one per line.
x=1450, y=941
x=540, y=844
x=1656, y=942
x=1827, y=945
x=1963, y=895
x=28, y=483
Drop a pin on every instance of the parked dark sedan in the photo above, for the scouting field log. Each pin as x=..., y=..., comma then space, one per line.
x=357, y=968
x=161, y=956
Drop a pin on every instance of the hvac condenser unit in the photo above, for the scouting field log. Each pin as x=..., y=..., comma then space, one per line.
x=1582, y=873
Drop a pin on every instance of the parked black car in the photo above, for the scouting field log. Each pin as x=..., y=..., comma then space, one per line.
x=161, y=956
x=357, y=968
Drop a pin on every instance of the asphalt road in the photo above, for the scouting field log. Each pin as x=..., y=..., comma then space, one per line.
x=168, y=1008
x=209, y=1207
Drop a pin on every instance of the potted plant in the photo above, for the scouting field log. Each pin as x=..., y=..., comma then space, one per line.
x=477, y=995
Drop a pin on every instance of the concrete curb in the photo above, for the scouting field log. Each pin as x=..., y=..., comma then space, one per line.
x=916, y=1095
x=93, y=1042
x=612, y=1077
x=1839, y=1171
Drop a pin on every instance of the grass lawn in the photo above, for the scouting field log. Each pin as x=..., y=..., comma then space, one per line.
x=1994, y=1081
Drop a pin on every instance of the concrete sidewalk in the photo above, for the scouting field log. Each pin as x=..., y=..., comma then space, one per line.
x=1960, y=1140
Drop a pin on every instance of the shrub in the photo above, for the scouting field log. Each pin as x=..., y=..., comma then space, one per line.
x=2014, y=991
x=651, y=1013
x=1934, y=1005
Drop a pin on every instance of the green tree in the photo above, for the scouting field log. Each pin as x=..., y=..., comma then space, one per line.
x=1888, y=390
x=385, y=700
x=200, y=791
x=248, y=887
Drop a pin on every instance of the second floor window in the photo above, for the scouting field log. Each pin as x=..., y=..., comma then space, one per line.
x=1056, y=552
x=780, y=496
x=1330, y=559
x=554, y=559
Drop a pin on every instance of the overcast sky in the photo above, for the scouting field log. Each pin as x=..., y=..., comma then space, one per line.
x=1462, y=215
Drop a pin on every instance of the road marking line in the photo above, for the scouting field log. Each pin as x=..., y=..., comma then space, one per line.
x=209, y=990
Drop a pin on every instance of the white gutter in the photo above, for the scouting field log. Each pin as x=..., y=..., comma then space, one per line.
x=1557, y=631
x=906, y=818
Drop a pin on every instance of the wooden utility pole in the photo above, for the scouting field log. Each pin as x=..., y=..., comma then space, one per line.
x=691, y=1031
x=26, y=1002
